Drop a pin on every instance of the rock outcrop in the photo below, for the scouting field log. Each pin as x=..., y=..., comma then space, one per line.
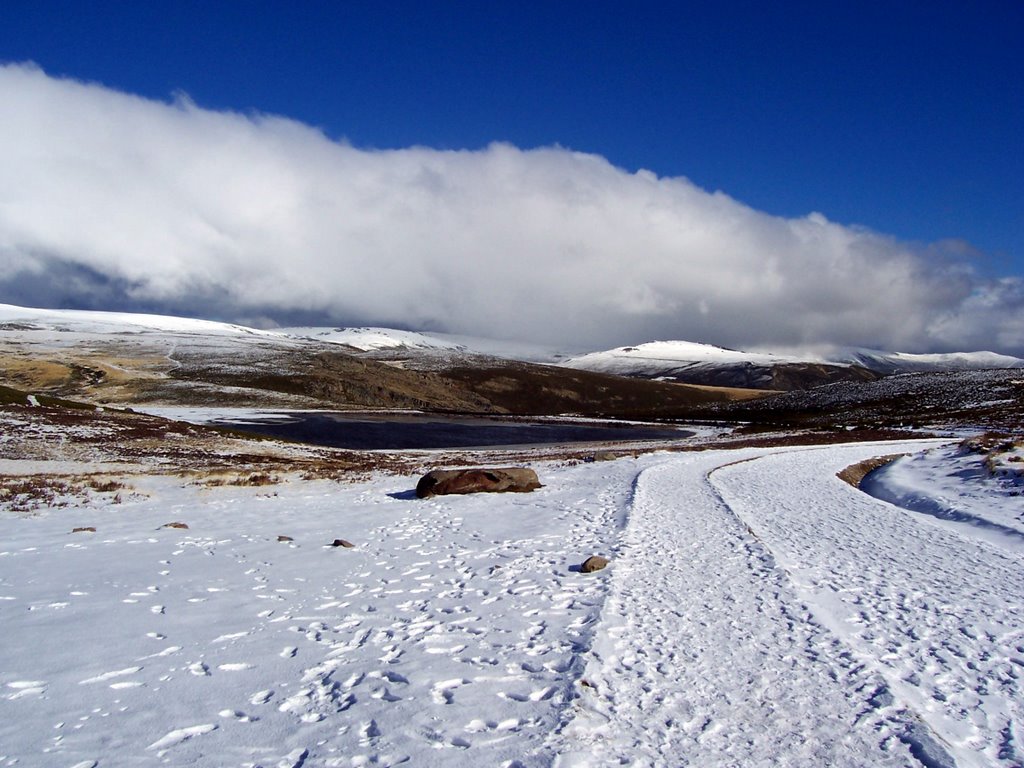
x=593, y=563
x=478, y=480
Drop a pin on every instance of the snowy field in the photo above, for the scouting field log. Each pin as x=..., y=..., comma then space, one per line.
x=757, y=612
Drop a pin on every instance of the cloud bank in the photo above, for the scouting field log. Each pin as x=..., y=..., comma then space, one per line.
x=108, y=200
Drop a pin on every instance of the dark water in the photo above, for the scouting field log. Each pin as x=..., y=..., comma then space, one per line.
x=362, y=432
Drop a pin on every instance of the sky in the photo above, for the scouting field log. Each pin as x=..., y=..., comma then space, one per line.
x=741, y=173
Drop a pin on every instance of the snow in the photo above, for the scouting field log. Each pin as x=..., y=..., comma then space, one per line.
x=663, y=357
x=389, y=339
x=956, y=488
x=84, y=321
x=656, y=357
x=756, y=611
x=649, y=359
x=903, y=362
x=374, y=339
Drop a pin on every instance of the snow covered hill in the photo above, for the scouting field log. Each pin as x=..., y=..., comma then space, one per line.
x=901, y=362
x=376, y=339
x=26, y=319
x=117, y=358
x=389, y=343
x=705, y=363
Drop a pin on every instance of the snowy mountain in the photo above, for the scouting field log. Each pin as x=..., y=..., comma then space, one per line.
x=375, y=339
x=111, y=358
x=115, y=357
x=14, y=318
x=389, y=343
x=706, y=364
x=902, y=362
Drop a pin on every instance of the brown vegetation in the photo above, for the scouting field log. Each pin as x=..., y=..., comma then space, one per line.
x=855, y=473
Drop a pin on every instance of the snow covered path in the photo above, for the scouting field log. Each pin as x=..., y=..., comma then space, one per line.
x=706, y=655
x=937, y=613
x=757, y=611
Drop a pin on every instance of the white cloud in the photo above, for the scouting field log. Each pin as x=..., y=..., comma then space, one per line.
x=170, y=205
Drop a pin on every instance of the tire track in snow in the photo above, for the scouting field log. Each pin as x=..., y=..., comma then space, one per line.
x=937, y=613
x=705, y=656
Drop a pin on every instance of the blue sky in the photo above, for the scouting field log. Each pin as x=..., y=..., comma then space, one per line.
x=903, y=117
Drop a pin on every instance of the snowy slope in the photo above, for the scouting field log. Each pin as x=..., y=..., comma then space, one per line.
x=902, y=362
x=377, y=340
x=933, y=483
x=757, y=612
x=15, y=318
x=662, y=358
x=672, y=358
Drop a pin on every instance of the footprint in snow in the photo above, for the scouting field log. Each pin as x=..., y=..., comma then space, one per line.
x=294, y=759
x=26, y=688
x=110, y=675
x=237, y=715
x=261, y=697
x=443, y=691
x=179, y=735
x=368, y=732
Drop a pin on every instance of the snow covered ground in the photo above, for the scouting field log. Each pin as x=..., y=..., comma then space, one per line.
x=757, y=611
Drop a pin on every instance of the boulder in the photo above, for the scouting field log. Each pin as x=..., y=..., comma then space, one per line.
x=478, y=480
x=593, y=563
x=343, y=543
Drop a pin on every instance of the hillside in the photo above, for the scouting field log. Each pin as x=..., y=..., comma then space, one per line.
x=122, y=359
x=693, y=363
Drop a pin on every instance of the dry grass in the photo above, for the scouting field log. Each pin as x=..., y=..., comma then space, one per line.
x=33, y=374
x=737, y=394
x=31, y=493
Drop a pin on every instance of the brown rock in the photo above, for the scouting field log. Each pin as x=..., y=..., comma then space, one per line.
x=175, y=525
x=478, y=480
x=85, y=529
x=285, y=538
x=343, y=543
x=593, y=563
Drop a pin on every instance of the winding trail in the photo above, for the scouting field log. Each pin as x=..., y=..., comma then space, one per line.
x=759, y=622
x=937, y=613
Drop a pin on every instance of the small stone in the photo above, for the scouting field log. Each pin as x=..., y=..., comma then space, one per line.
x=84, y=529
x=285, y=538
x=343, y=543
x=593, y=563
x=175, y=525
